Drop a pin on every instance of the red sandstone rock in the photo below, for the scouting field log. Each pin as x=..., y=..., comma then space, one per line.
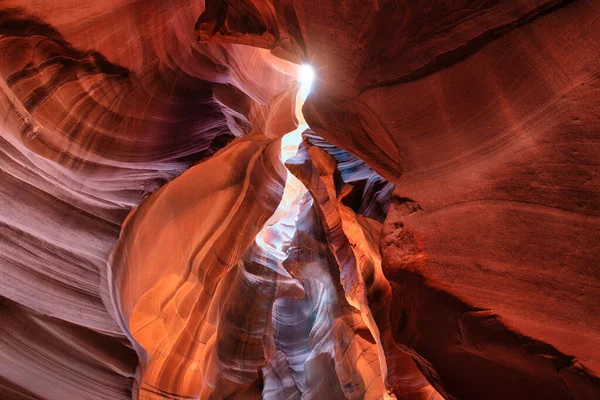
x=481, y=283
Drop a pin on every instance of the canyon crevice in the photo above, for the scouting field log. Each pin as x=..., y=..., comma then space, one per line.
x=183, y=215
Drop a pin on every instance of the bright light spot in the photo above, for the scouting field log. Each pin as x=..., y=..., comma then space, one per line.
x=306, y=76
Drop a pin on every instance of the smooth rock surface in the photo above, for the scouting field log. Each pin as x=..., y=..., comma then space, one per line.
x=447, y=245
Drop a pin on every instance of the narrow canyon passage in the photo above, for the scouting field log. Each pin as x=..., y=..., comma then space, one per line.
x=299, y=199
x=279, y=230
x=286, y=315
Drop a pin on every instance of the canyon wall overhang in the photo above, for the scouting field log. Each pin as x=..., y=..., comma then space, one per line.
x=447, y=246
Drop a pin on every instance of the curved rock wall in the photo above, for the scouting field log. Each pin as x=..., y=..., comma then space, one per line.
x=446, y=246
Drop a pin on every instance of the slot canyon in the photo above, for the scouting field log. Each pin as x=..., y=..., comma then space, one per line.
x=300, y=199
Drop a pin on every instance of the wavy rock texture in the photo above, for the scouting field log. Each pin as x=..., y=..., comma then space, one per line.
x=482, y=114
x=489, y=132
x=168, y=304
x=352, y=240
x=86, y=135
x=443, y=245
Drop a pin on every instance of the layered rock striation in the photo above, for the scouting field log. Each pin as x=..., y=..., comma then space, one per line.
x=430, y=230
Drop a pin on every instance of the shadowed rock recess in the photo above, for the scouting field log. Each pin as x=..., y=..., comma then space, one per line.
x=183, y=215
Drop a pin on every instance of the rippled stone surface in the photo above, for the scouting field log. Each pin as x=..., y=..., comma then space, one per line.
x=443, y=243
